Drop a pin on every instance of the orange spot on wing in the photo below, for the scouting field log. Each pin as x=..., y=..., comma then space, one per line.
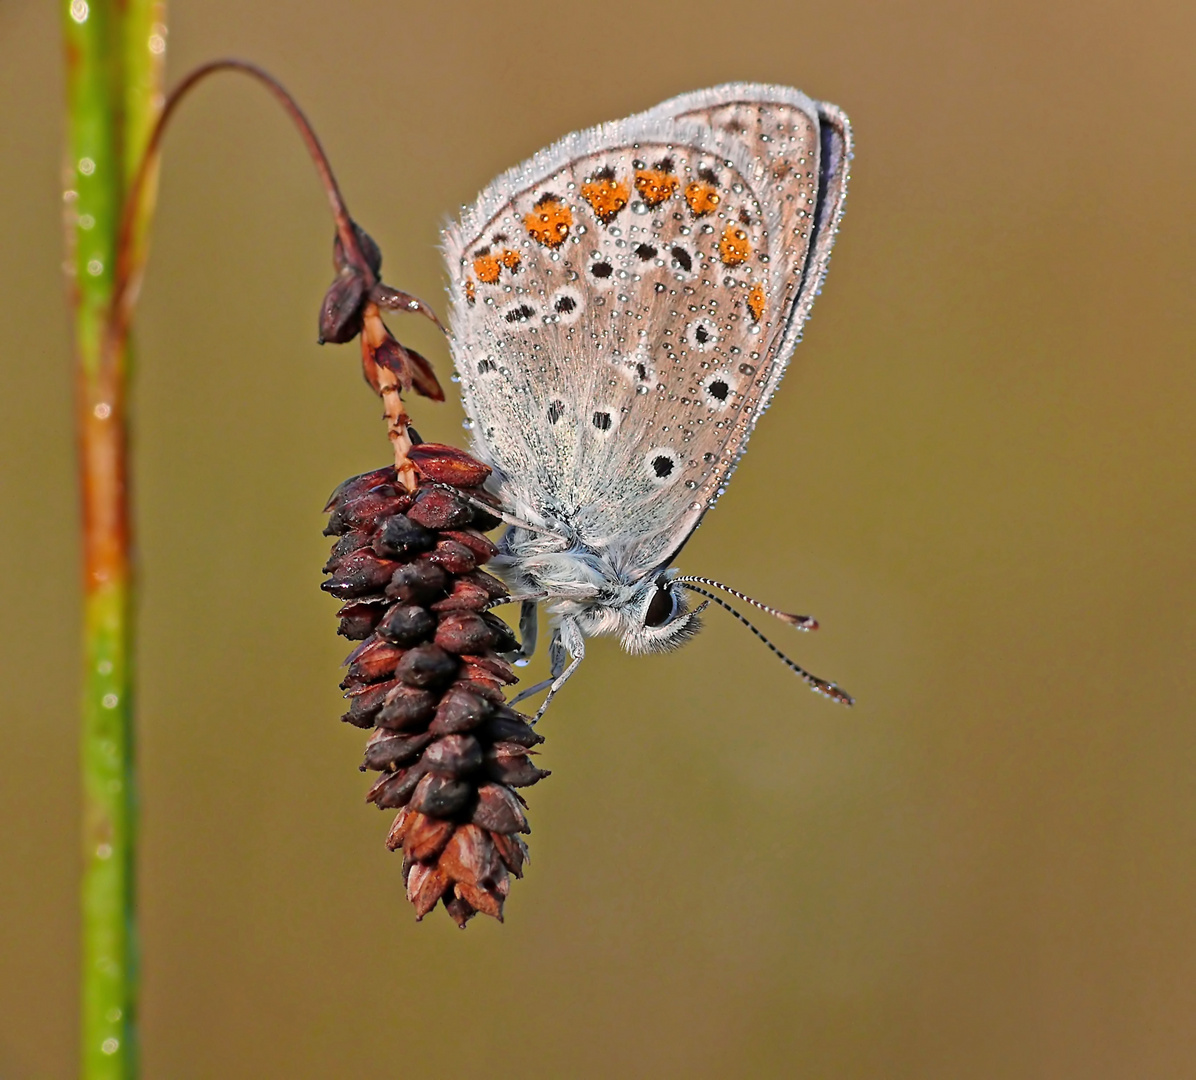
x=487, y=268
x=606, y=197
x=734, y=247
x=655, y=185
x=755, y=302
x=510, y=259
x=702, y=197
x=549, y=221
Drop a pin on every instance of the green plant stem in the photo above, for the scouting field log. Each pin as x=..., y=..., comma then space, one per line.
x=113, y=68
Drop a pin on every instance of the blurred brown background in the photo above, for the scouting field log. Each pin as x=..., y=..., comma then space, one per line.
x=979, y=475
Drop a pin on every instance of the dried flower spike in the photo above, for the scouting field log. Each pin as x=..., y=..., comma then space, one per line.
x=428, y=677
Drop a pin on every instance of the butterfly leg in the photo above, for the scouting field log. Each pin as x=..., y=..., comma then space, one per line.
x=529, y=628
x=529, y=623
x=556, y=661
x=566, y=642
x=566, y=639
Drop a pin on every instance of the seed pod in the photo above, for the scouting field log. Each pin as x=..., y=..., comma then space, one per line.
x=407, y=624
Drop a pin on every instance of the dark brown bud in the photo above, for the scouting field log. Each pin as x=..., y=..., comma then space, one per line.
x=346, y=545
x=454, y=755
x=448, y=465
x=356, y=486
x=459, y=711
x=368, y=248
x=504, y=637
x=417, y=583
x=388, y=749
x=406, y=708
x=358, y=620
x=340, y=313
x=453, y=556
x=401, y=536
x=364, y=510
x=498, y=810
x=440, y=796
x=359, y=574
x=364, y=704
x=506, y=725
x=407, y=624
x=464, y=632
x=492, y=694
x=426, y=666
x=460, y=910
x=436, y=508
x=392, y=790
x=509, y=764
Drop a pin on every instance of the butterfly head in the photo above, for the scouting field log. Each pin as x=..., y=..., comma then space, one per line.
x=656, y=617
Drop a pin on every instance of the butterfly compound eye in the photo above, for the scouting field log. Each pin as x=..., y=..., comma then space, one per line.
x=662, y=608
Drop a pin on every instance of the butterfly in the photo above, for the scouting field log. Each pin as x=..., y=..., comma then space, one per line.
x=623, y=306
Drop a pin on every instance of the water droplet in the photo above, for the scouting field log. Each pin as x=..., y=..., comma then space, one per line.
x=86, y=165
x=109, y=1046
x=80, y=11
x=109, y=701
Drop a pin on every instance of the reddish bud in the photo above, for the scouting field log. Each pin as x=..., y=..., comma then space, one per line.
x=490, y=667
x=425, y=886
x=373, y=660
x=448, y=465
x=512, y=850
x=464, y=632
x=426, y=837
x=436, y=508
x=483, y=549
x=453, y=556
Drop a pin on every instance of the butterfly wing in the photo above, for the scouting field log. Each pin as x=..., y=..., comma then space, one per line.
x=625, y=303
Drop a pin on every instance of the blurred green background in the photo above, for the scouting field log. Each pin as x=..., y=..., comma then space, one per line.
x=978, y=475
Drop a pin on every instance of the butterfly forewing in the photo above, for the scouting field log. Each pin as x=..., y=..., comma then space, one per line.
x=623, y=306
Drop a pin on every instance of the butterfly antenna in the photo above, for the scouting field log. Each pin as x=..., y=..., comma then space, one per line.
x=801, y=622
x=828, y=689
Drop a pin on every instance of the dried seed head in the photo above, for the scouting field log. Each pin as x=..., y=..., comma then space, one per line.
x=428, y=677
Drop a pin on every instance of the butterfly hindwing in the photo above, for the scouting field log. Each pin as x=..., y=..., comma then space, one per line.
x=625, y=303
